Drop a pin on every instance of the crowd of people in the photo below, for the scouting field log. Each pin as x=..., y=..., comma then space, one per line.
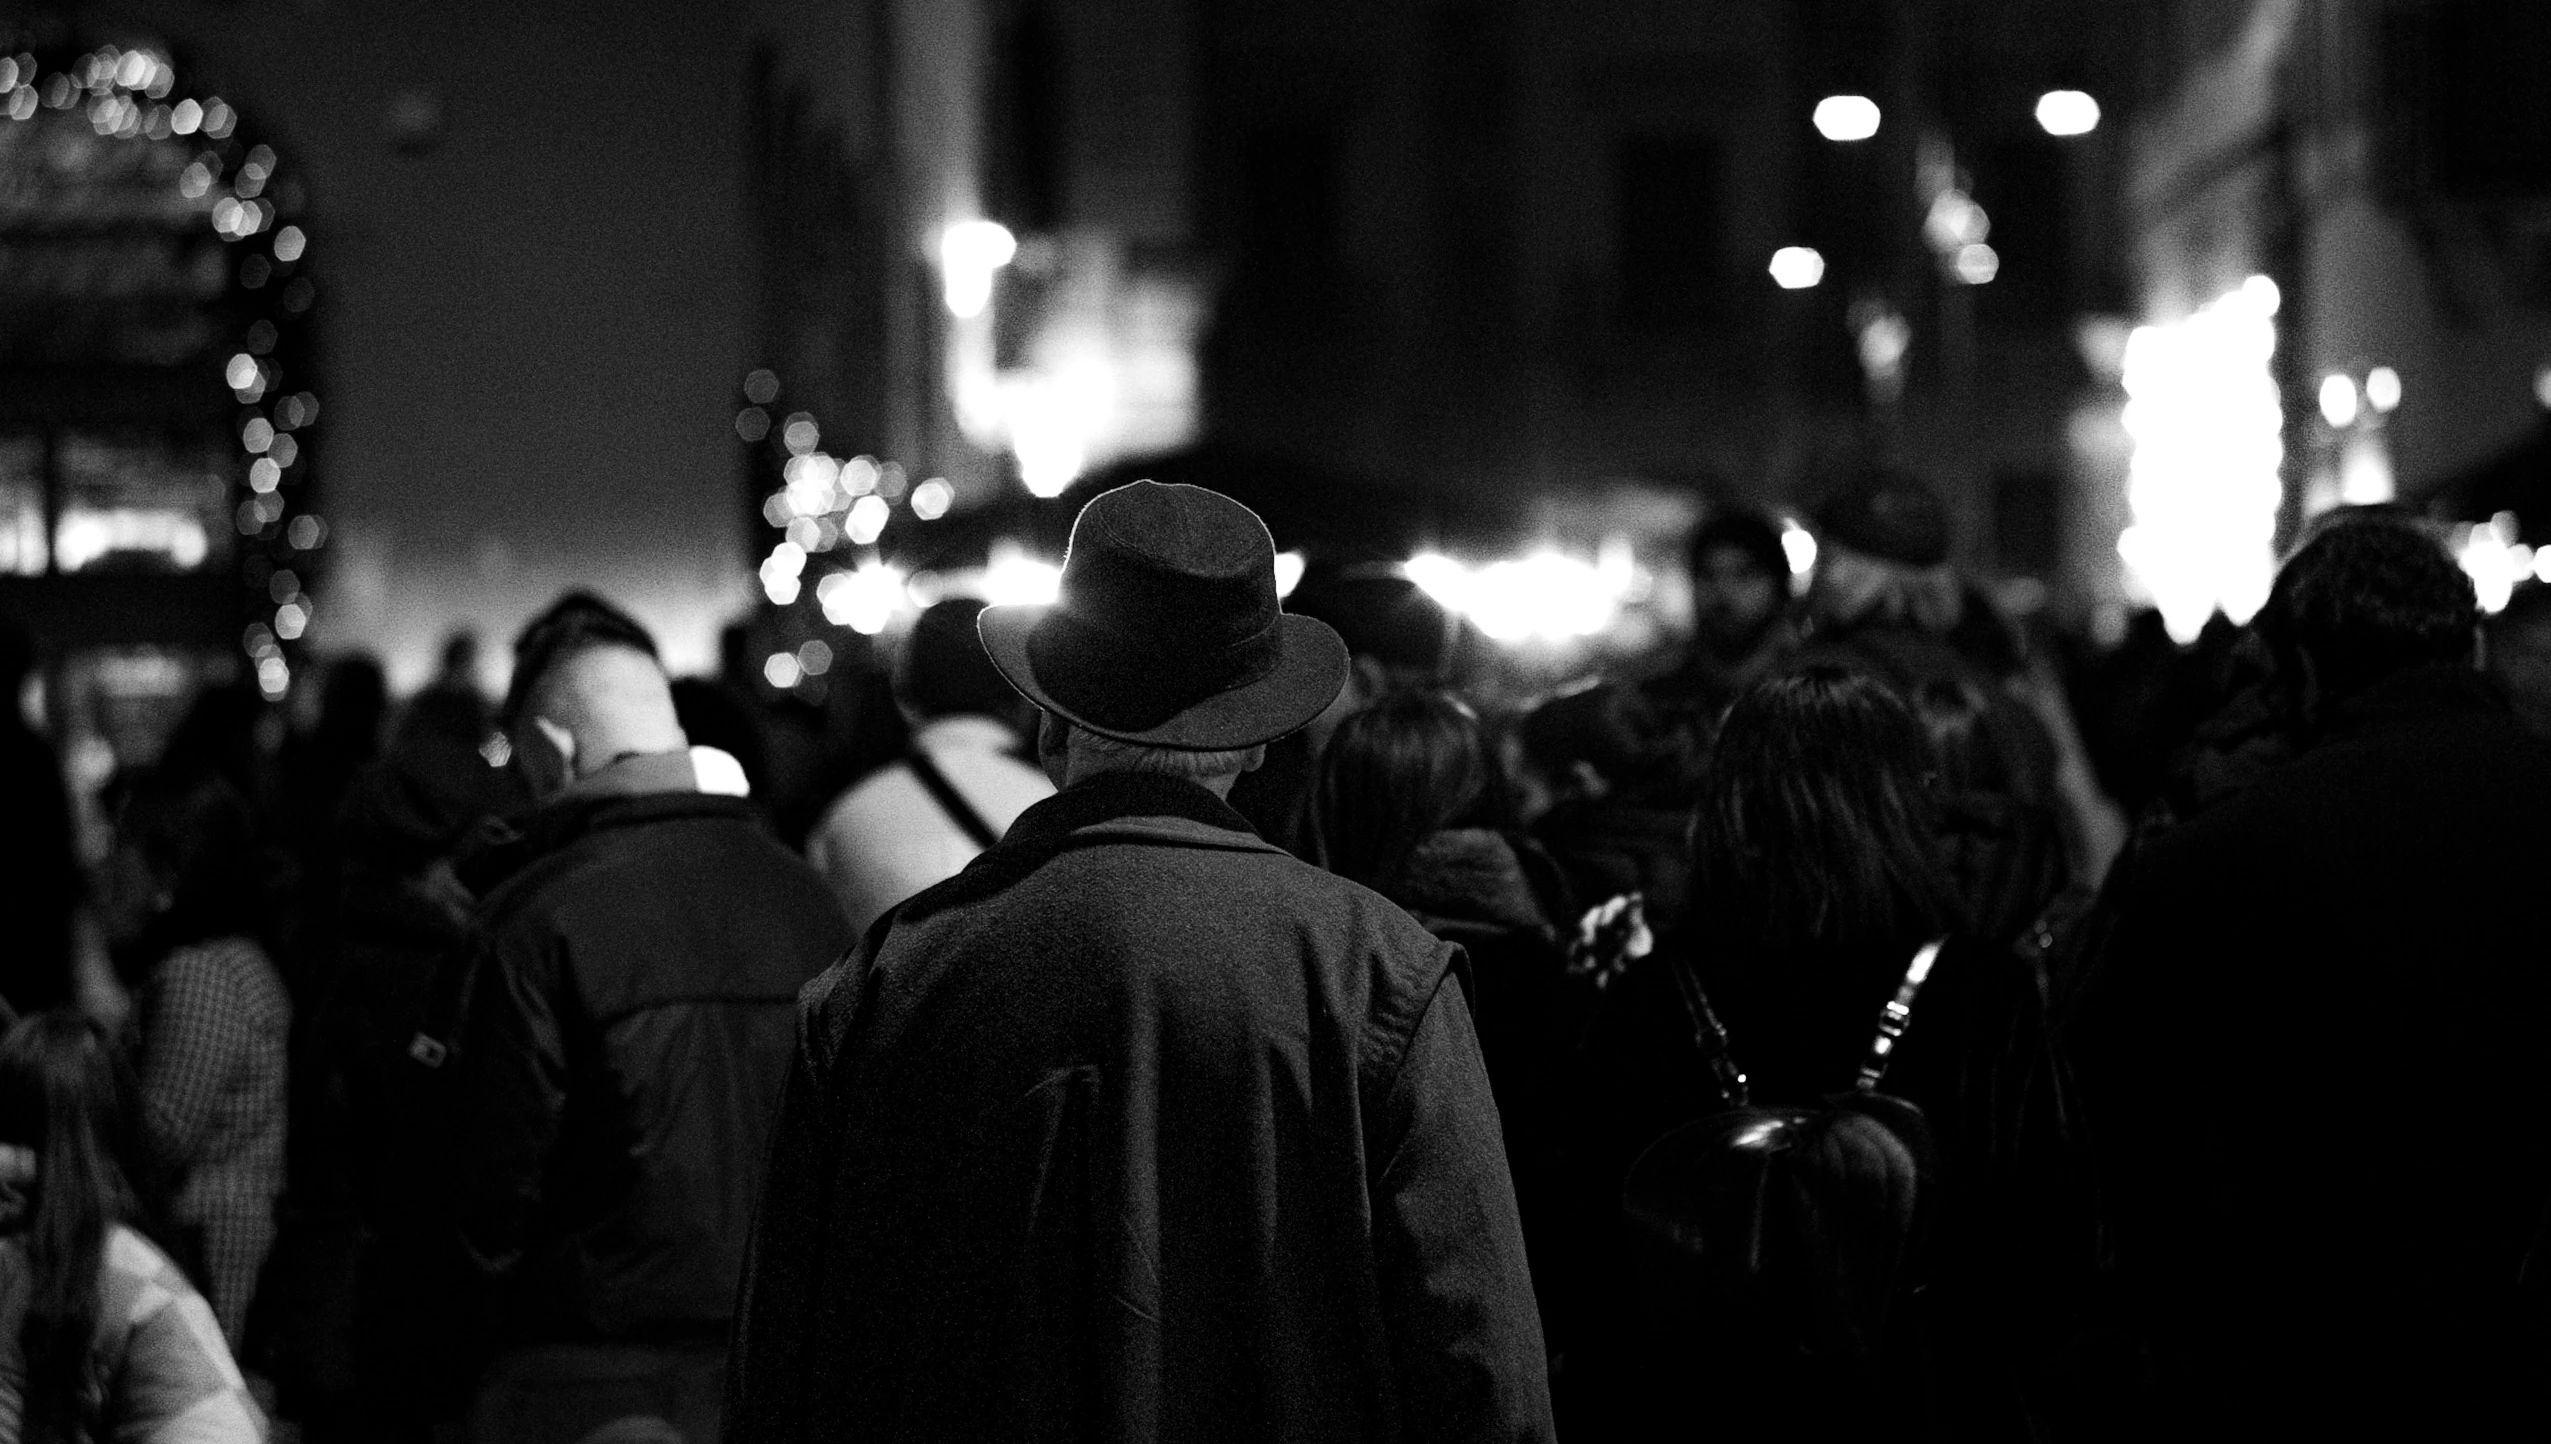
x=1199, y=1019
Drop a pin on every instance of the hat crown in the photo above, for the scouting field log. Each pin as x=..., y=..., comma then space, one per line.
x=1166, y=630
x=1170, y=565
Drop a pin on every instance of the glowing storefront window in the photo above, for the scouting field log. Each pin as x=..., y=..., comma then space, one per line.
x=2203, y=414
x=139, y=504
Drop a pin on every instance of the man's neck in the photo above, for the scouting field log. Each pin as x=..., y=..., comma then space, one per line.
x=1219, y=784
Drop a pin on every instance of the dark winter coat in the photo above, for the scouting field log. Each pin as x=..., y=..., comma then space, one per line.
x=2008, y=1225
x=2313, y=1047
x=1499, y=898
x=1138, y=1129
x=628, y=1021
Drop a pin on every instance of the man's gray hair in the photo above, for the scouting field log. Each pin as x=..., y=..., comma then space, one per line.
x=1107, y=754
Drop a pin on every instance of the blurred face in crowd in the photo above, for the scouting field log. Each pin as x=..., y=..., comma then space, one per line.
x=1734, y=600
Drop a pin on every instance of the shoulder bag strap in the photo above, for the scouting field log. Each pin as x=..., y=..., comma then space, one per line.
x=951, y=801
x=1710, y=1037
x=1896, y=1015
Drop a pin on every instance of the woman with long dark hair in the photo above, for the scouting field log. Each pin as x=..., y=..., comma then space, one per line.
x=100, y=1335
x=1819, y=874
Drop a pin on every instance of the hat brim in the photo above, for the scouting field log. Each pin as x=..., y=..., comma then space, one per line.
x=1309, y=673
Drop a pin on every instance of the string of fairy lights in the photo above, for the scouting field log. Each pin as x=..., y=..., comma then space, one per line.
x=236, y=185
x=828, y=509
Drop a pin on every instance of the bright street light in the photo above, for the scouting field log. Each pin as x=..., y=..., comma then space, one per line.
x=1846, y=117
x=1797, y=268
x=2382, y=388
x=969, y=252
x=2067, y=112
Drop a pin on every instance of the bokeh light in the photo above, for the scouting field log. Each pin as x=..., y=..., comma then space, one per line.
x=970, y=253
x=2067, y=112
x=930, y=499
x=1846, y=117
x=1796, y=268
x=2382, y=389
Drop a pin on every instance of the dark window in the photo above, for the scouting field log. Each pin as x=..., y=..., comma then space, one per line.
x=1289, y=202
x=1026, y=180
x=2020, y=183
x=1668, y=226
x=2025, y=516
x=2488, y=88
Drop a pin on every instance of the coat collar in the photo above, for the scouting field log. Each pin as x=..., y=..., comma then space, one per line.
x=1113, y=807
x=1126, y=797
x=501, y=849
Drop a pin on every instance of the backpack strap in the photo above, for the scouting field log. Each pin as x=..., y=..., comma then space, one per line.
x=951, y=801
x=1710, y=1037
x=1897, y=1014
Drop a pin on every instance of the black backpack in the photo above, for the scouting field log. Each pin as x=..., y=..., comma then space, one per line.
x=1785, y=1232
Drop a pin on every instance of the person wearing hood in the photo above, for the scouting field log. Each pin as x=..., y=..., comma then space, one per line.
x=623, y=1018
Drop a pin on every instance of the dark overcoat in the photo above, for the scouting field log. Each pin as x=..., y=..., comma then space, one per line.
x=1138, y=1129
x=2315, y=1056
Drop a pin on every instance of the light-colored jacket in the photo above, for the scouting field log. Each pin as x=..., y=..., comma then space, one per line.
x=888, y=838
x=159, y=1372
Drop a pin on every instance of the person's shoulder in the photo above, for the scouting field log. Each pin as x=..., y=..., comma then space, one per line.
x=234, y=961
x=166, y=1348
x=881, y=790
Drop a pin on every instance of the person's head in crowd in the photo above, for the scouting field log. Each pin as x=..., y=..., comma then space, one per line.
x=1883, y=555
x=2371, y=595
x=73, y=1164
x=1166, y=651
x=457, y=667
x=1740, y=580
x=587, y=692
x=231, y=730
x=1397, y=637
x=1605, y=741
x=2520, y=655
x=1816, y=826
x=185, y=865
x=943, y=670
x=1956, y=719
x=415, y=803
x=1396, y=773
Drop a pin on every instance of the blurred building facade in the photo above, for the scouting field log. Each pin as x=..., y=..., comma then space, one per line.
x=2386, y=165
x=1509, y=251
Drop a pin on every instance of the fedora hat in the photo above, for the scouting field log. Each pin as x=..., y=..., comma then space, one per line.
x=1166, y=630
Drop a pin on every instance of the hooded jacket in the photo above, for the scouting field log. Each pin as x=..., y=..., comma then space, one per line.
x=624, y=1025
x=1139, y=1129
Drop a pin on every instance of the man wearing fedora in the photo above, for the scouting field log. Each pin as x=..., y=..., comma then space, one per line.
x=1139, y=1128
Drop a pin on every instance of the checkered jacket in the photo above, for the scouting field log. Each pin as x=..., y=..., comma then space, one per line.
x=213, y=1023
